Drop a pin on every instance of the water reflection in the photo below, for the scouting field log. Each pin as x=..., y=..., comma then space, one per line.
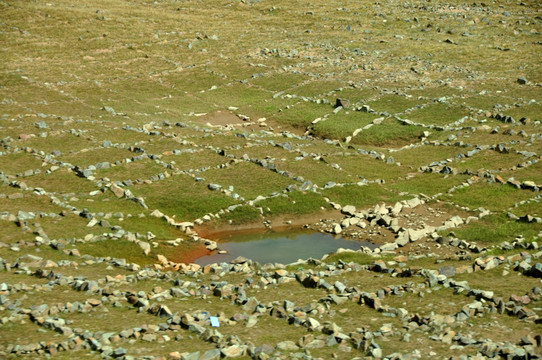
x=286, y=247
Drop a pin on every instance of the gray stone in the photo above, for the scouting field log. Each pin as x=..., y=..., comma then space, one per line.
x=191, y=356
x=312, y=324
x=213, y=354
x=402, y=238
x=145, y=246
x=339, y=286
x=287, y=346
x=264, y=349
x=389, y=247
x=251, y=305
x=23, y=215
x=119, y=352
x=315, y=344
x=349, y=210
x=214, y=187
x=448, y=271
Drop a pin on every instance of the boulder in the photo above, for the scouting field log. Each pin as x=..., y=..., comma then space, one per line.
x=145, y=246
x=117, y=190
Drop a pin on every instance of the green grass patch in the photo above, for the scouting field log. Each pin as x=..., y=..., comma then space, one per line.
x=496, y=228
x=14, y=164
x=428, y=184
x=493, y=197
x=61, y=181
x=296, y=203
x=315, y=171
x=63, y=142
x=95, y=156
x=489, y=160
x=279, y=82
x=29, y=203
x=233, y=95
x=136, y=170
x=348, y=257
x=241, y=215
x=69, y=227
x=426, y=154
x=158, y=227
x=394, y=104
x=301, y=115
x=366, y=167
x=11, y=233
x=438, y=114
x=361, y=196
x=121, y=249
x=389, y=133
x=316, y=88
x=182, y=197
x=27, y=333
x=262, y=181
x=342, y=125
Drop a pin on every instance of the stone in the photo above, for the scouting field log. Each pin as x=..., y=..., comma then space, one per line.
x=190, y=356
x=448, y=337
x=402, y=238
x=287, y=346
x=315, y=344
x=349, y=210
x=119, y=352
x=312, y=324
x=232, y=351
x=389, y=247
x=536, y=270
x=415, y=235
x=251, y=305
x=145, y=246
x=344, y=103
x=252, y=320
x=94, y=302
x=412, y=203
x=213, y=354
x=23, y=215
x=448, y=271
x=117, y=190
x=264, y=349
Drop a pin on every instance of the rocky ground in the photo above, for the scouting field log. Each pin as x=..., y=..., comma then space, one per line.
x=134, y=134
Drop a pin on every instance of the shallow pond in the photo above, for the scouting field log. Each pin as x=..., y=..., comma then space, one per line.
x=279, y=247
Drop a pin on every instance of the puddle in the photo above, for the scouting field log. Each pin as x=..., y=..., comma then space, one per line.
x=279, y=247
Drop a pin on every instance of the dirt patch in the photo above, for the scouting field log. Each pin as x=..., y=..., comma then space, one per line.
x=232, y=121
x=433, y=214
x=220, y=118
x=190, y=254
x=218, y=232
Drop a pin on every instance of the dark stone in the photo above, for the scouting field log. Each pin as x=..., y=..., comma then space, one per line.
x=536, y=270
x=345, y=103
